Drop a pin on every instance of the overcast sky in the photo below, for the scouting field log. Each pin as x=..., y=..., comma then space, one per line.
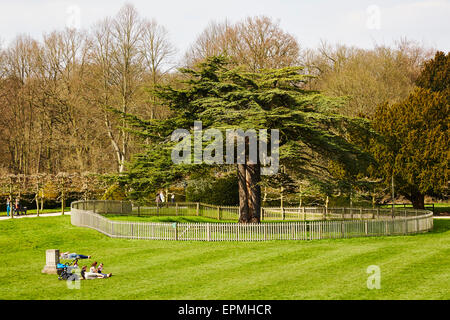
x=361, y=23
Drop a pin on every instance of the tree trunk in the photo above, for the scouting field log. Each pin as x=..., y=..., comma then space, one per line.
x=249, y=176
x=418, y=200
x=63, y=204
x=37, y=204
x=243, y=196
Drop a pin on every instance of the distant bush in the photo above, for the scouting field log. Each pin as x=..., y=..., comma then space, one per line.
x=114, y=192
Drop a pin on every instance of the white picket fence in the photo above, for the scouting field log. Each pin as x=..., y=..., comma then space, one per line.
x=337, y=223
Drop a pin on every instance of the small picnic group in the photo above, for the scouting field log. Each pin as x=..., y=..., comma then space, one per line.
x=15, y=208
x=65, y=270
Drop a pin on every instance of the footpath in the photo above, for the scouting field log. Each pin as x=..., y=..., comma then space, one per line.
x=35, y=215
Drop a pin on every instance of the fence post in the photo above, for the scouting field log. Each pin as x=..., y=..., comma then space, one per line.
x=176, y=208
x=139, y=209
x=121, y=206
x=262, y=213
x=198, y=209
x=94, y=202
x=218, y=213
x=360, y=213
x=406, y=224
x=325, y=209
x=208, y=230
x=320, y=229
x=366, y=227
x=282, y=213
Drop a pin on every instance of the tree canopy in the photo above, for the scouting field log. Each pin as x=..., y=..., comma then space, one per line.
x=414, y=148
x=223, y=97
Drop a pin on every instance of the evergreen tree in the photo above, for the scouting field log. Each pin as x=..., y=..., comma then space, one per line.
x=436, y=73
x=414, y=149
x=225, y=98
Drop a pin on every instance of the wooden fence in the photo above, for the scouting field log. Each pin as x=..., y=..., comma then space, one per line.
x=338, y=223
x=229, y=213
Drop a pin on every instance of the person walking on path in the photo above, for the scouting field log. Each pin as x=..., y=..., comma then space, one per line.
x=17, y=207
x=8, y=206
x=158, y=199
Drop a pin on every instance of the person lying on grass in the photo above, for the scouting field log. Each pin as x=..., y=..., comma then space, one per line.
x=93, y=275
x=68, y=255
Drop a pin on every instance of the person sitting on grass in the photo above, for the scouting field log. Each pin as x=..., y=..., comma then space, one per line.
x=68, y=255
x=100, y=268
x=89, y=275
x=94, y=269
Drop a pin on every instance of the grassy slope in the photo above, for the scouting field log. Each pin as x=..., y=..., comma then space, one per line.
x=412, y=267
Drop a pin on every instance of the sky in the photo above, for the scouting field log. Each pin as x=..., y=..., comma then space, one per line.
x=360, y=23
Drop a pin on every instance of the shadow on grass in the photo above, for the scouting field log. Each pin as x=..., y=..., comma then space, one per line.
x=441, y=225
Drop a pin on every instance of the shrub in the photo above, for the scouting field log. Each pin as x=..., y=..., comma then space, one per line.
x=114, y=192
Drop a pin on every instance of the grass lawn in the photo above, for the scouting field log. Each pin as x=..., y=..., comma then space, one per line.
x=412, y=267
x=179, y=219
x=439, y=208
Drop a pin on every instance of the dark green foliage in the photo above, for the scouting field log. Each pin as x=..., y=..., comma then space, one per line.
x=220, y=191
x=149, y=172
x=414, y=147
x=436, y=73
x=225, y=98
x=414, y=144
x=274, y=99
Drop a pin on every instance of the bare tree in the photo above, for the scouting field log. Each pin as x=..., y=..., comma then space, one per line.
x=366, y=77
x=157, y=54
x=256, y=42
x=156, y=49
